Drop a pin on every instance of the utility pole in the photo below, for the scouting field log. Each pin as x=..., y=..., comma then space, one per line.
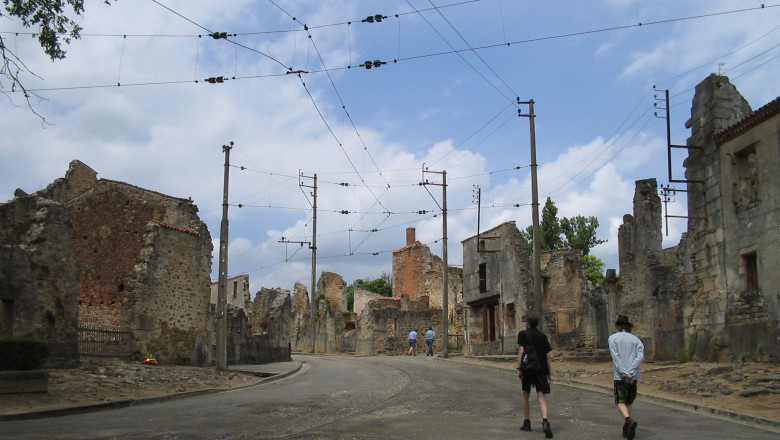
x=445, y=319
x=537, y=257
x=313, y=247
x=221, y=360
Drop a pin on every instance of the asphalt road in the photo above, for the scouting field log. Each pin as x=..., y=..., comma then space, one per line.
x=380, y=398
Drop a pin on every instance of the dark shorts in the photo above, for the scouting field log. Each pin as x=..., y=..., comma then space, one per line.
x=412, y=342
x=625, y=393
x=541, y=384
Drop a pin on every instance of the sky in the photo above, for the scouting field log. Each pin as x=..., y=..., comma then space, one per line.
x=132, y=101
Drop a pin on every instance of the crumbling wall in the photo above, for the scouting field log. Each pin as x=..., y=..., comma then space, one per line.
x=384, y=325
x=39, y=276
x=733, y=220
x=301, y=320
x=271, y=319
x=168, y=297
x=417, y=273
x=568, y=301
x=333, y=288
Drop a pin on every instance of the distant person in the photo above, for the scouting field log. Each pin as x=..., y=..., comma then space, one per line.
x=412, y=342
x=627, y=353
x=430, y=336
x=529, y=341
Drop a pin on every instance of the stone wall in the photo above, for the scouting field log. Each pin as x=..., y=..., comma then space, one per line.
x=496, y=290
x=145, y=262
x=237, y=292
x=334, y=289
x=733, y=223
x=39, y=276
x=384, y=326
x=713, y=295
x=417, y=273
x=300, y=331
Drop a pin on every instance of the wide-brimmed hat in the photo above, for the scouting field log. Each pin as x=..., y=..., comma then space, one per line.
x=623, y=320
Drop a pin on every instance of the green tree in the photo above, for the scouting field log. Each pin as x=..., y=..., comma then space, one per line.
x=580, y=233
x=54, y=28
x=594, y=270
x=382, y=286
x=549, y=229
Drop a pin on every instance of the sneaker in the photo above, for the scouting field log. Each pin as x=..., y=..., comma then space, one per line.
x=631, y=431
x=526, y=425
x=547, y=431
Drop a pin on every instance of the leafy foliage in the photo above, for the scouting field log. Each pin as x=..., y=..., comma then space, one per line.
x=578, y=232
x=381, y=286
x=594, y=270
x=55, y=27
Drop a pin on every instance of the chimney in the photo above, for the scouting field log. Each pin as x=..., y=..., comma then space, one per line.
x=410, y=238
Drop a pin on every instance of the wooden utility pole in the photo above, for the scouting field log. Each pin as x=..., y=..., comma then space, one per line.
x=537, y=257
x=221, y=311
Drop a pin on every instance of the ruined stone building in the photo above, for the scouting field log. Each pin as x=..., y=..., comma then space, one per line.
x=143, y=262
x=497, y=295
x=237, y=294
x=417, y=273
x=715, y=294
x=384, y=325
x=39, y=278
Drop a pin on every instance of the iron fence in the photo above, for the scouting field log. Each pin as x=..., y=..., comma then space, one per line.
x=104, y=343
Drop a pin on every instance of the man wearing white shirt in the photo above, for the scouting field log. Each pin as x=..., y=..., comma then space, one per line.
x=627, y=353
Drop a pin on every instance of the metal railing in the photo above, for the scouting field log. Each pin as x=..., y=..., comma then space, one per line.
x=104, y=343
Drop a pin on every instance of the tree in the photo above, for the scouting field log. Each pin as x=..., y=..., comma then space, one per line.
x=580, y=233
x=382, y=286
x=550, y=227
x=594, y=270
x=55, y=28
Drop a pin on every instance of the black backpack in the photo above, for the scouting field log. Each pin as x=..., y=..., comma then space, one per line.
x=530, y=365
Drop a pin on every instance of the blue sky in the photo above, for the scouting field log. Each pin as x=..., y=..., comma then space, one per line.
x=446, y=100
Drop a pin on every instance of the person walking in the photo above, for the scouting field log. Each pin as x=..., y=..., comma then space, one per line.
x=412, y=342
x=535, y=347
x=627, y=353
x=430, y=336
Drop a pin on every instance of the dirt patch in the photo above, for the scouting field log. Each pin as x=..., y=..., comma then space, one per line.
x=750, y=388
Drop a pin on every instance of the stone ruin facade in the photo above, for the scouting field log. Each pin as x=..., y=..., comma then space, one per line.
x=143, y=262
x=39, y=278
x=385, y=323
x=257, y=331
x=497, y=295
x=418, y=273
x=715, y=295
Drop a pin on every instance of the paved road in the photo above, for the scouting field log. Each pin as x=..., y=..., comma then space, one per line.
x=379, y=398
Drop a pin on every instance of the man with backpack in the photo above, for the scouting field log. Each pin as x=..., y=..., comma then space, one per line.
x=534, y=368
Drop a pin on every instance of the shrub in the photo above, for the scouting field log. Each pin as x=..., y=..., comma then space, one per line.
x=22, y=353
x=692, y=342
x=681, y=354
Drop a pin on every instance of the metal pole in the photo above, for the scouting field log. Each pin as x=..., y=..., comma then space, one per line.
x=313, y=266
x=537, y=263
x=221, y=360
x=445, y=272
